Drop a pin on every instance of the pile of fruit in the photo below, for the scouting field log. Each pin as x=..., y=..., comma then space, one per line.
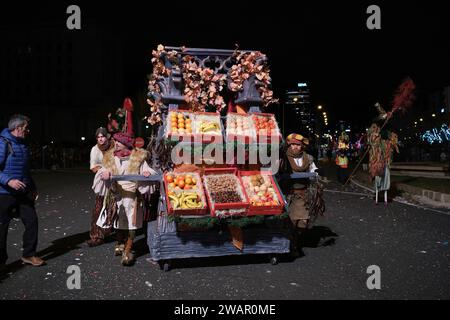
x=208, y=124
x=265, y=125
x=180, y=123
x=239, y=125
x=182, y=182
x=185, y=200
x=209, y=127
x=223, y=188
x=260, y=190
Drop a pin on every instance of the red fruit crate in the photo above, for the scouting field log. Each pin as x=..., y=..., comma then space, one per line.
x=245, y=139
x=264, y=209
x=176, y=136
x=266, y=138
x=199, y=192
x=225, y=206
x=206, y=137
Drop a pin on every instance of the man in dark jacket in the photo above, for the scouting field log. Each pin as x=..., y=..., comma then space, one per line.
x=17, y=189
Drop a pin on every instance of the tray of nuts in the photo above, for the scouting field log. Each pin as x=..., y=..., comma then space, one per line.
x=224, y=192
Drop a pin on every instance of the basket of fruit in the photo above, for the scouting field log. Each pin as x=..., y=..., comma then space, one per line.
x=209, y=127
x=184, y=194
x=262, y=191
x=266, y=127
x=179, y=126
x=224, y=192
x=240, y=128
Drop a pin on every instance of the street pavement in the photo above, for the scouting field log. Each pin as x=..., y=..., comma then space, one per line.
x=408, y=244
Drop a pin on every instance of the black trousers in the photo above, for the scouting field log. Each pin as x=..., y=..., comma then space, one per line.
x=342, y=174
x=27, y=213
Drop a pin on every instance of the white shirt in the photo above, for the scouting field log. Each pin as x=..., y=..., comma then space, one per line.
x=96, y=158
x=299, y=162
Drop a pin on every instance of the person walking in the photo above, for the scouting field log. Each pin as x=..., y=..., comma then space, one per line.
x=17, y=189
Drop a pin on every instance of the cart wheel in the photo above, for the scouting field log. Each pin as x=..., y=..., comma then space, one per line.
x=274, y=260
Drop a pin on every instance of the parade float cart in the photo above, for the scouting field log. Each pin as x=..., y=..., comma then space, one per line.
x=169, y=239
x=230, y=210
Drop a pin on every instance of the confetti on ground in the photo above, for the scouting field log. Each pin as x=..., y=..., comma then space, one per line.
x=148, y=284
x=423, y=252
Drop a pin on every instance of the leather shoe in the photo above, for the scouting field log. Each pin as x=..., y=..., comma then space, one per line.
x=34, y=261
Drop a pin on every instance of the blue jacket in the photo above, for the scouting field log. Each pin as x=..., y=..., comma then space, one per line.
x=15, y=165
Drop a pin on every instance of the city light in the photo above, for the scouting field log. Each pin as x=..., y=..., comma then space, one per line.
x=319, y=108
x=295, y=99
x=415, y=122
x=146, y=127
x=442, y=110
x=433, y=115
x=83, y=138
x=421, y=119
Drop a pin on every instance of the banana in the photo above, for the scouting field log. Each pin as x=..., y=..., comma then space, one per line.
x=209, y=126
x=191, y=205
x=176, y=202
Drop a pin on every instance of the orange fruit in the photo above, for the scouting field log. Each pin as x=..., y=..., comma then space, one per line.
x=194, y=181
x=187, y=187
x=181, y=184
x=188, y=181
x=169, y=178
x=172, y=185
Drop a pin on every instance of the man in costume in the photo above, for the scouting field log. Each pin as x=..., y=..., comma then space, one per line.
x=104, y=144
x=304, y=196
x=380, y=158
x=123, y=205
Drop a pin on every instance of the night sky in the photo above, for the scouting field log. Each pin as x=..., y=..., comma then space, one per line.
x=324, y=43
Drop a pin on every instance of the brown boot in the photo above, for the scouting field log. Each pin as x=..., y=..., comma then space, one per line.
x=118, y=249
x=127, y=255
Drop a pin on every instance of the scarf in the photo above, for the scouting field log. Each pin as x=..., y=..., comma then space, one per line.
x=122, y=153
x=105, y=147
x=291, y=155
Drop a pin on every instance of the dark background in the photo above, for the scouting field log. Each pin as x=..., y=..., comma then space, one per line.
x=324, y=43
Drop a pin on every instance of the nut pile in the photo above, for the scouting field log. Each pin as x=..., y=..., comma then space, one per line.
x=223, y=188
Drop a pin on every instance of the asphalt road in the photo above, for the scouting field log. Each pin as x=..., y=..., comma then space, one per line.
x=408, y=244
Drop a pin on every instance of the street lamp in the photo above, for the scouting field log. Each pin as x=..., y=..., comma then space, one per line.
x=319, y=108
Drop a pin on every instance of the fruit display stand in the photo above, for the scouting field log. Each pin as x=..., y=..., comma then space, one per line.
x=174, y=86
x=168, y=240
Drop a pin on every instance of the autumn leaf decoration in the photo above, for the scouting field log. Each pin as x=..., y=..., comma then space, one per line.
x=159, y=70
x=203, y=86
x=248, y=64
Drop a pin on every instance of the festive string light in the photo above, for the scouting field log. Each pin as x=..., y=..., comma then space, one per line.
x=437, y=135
